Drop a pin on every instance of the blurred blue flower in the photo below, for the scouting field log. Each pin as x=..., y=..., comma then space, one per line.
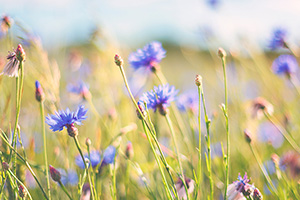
x=270, y=166
x=188, y=101
x=80, y=88
x=160, y=97
x=94, y=159
x=213, y=3
x=109, y=155
x=148, y=57
x=216, y=150
x=267, y=132
x=285, y=64
x=63, y=118
x=69, y=177
x=278, y=38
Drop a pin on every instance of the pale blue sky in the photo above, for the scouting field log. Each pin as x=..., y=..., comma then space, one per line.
x=132, y=22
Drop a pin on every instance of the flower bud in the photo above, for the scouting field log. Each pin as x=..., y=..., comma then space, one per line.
x=129, y=150
x=55, y=174
x=143, y=111
x=275, y=159
x=198, y=80
x=20, y=53
x=257, y=195
x=22, y=192
x=118, y=60
x=39, y=93
x=247, y=135
x=88, y=142
x=5, y=165
x=221, y=53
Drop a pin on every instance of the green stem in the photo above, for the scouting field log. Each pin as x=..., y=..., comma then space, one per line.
x=199, y=148
x=26, y=163
x=264, y=171
x=12, y=174
x=209, y=167
x=114, y=176
x=86, y=167
x=176, y=149
x=65, y=190
x=127, y=175
x=284, y=133
x=169, y=194
x=45, y=147
x=227, y=127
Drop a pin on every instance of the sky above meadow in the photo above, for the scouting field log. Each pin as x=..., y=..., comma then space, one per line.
x=135, y=22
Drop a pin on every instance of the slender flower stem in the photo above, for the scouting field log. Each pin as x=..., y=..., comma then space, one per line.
x=86, y=167
x=262, y=168
x=289, y=48
x=209, y=168
x=199, y=131
x=20, y=182
x=227, y=163
x=292, y=80
x=168, y=191
x=65, y=190
x=176, y=149
x=45, y=147
x=285, y=134
x=25, y=162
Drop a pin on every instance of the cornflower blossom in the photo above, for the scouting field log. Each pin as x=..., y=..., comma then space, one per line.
x=93, y=159
x=159, y=98
x=190, y=184
x=68, y=177
x=240, y=189
x=109, y=155
x=67, y=119
x=14, y=58
x=285, y=64
x=188, y=101
x=148, y=57
x=81, y=89
x=259, y=106
x=278, y=38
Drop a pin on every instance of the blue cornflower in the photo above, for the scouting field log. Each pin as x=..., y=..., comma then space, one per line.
x=278, y=38
x=69, y=177
x=285, y=64
x=67, y=119
x=94, y=159
x=81, y=89
x=109, y=155
x=160, y=97
x=148, y=57
x=188, y=101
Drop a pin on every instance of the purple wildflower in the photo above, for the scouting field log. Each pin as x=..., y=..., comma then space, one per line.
x=81, y=89
x=285, y=64
x=188, y=101
x=278, y=38
x=94, y=159
x=67, y=119
x=190, y=184
x=160, y=97
x=109, y=155
x=237, y=189
x=148, y=57
x=68, y=177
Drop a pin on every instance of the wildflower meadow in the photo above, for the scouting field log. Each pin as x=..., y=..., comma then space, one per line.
x=94, y=120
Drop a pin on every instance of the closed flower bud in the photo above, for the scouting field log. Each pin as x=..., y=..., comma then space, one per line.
x=22, y=192
x=55, y=174
x=5, y=165
x=118, y=60
x=221, y=53
x=20, y=53
x=88, y=142
x=247, y=135
x=39, y=93
x=257, y=195
x=198, y=80
x=129, y=150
